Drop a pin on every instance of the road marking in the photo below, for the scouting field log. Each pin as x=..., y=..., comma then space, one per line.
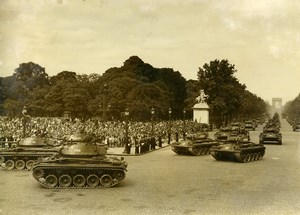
x=275, y=158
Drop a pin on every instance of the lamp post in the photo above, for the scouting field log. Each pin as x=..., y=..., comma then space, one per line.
x=152, y=121
x=169, y=133
x=152, y=128
x=24, y=112
x=184, y=130
x=126, y=131
x=105, y=92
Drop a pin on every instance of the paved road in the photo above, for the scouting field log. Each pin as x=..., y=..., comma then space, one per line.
x=162, y=182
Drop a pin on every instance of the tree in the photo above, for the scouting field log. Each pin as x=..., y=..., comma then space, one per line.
x=227, y=98
x=31, y=75
x=36, y=99
x=292, y=108
x=218, y=82
x=146, y=96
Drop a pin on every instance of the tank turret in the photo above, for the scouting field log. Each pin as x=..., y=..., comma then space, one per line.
x=83, y=150
x=36, y=142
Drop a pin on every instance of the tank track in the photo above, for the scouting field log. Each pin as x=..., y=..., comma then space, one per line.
x=200, y=150
x=252, y=155
x=243, y=156
x=111, y=178
x=180, y=150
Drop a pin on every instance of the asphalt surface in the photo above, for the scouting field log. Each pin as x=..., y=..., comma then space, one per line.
x=162, y=182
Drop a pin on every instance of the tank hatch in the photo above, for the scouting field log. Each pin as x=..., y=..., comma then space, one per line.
x=77, y=137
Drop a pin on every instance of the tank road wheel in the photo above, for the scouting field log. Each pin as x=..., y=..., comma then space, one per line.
x=207, y=151
x=20, y=164
x=9, y=164
x=51, y=181
x=119, y=175
x=29, y=164
x=79, y=180
x=92, y=180
x=244, y=158
x=248, y=157
x=197, y=151
x=65, y=181
x=202, y=151
x=106, y=180
x=259, y=156
x=38, y=173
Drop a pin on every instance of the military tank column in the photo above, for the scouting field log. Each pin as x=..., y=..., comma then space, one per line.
x=238, y=151
x=237, y=146
x=271, y=131
x=28, y=151
x=195, y=142
x=294, y=122
x=80, y=164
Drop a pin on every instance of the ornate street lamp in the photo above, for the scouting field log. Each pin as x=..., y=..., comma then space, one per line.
x=24, y=112
x=152, y=121
x=105, y=92
x=184, y=130
x=126, y=131
x=169, y=133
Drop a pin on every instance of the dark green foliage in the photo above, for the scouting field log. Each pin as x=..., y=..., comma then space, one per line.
x=228, y=99
x=136, y=85
x=139, y=86
x=292, y=109
x=31, y=75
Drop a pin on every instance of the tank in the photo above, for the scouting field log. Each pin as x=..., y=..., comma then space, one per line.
x=28, y=151
x=296, y=126
x=80, y=165
x=270, y=135
x=194, y=144
x=238, y=151
x=250, y=125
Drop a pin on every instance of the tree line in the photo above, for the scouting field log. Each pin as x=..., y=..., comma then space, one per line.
x=292, y=109
x=135, y=86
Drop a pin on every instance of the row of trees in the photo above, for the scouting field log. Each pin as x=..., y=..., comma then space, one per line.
x=228, y=99
x=292, y=108
x=136, y=85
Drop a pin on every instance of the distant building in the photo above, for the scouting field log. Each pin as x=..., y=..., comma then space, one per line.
x=276, y=106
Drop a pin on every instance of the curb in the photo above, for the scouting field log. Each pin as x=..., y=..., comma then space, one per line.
x=123, y=154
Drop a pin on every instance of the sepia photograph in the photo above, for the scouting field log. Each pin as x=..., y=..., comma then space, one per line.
x=149, y=107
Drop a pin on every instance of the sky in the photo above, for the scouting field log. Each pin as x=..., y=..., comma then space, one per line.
x=260, y=37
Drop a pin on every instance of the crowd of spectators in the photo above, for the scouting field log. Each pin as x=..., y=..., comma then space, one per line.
x=112, y=133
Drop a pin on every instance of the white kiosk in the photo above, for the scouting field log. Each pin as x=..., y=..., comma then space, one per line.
x=201, y=109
